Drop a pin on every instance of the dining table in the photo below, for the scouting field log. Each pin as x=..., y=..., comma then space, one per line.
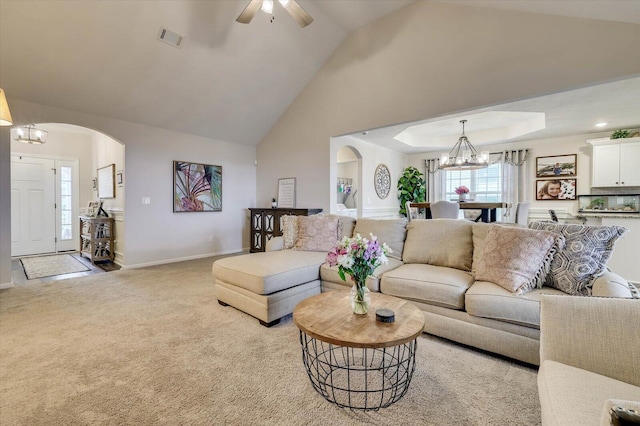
x=487, y=209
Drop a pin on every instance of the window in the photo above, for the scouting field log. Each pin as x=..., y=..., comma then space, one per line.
x=485, y=185
x=66, y=204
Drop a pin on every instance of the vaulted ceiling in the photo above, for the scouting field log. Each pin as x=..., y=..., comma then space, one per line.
x=227, y=80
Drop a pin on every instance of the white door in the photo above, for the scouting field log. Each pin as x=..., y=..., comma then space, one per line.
x=33, y=214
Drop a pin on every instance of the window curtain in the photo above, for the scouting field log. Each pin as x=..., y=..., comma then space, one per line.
x=434, y=180
x=516, y=184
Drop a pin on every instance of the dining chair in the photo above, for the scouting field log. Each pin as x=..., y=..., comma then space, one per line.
x=445, y=210
x=412, y=212
x=522, y=213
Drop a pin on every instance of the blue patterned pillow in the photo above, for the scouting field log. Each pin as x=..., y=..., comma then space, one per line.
x=584, y=257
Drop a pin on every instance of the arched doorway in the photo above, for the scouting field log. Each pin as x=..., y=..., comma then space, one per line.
x=348, y=182
x=44, y=212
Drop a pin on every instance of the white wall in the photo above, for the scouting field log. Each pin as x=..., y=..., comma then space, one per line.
x=368, y=202
x=154, y=234
x=429, y=59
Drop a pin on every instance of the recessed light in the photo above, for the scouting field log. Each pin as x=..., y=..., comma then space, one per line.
x=601, y=124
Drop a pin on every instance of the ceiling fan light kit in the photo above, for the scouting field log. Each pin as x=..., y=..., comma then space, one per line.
x=463, y=156
x=291, y=6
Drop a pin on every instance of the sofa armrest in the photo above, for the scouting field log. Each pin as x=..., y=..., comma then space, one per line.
x=274, y=244
x=611, y=284
x=597, y=334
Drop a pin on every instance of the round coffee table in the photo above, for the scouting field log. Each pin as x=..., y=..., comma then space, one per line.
x=353, y=360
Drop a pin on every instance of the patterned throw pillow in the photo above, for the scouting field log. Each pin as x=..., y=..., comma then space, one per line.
x=289, y=225
x=517, y=259
x=584, y=258
x=316, y=233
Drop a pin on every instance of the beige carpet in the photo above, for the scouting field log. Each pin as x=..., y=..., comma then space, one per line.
x=48, y=266
x=152, y=346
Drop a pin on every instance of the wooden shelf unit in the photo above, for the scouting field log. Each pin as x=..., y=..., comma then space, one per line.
x=265, y=224
x=96, y=238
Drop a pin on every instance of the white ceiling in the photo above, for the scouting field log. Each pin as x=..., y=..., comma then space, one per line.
x=227, y=81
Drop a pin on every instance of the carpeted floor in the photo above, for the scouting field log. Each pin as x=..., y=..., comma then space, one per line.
x=47, y=266
x=152, y=346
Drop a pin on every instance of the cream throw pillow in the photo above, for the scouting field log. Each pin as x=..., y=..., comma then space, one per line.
x=439, y=242
x=517, y=259
x=316, y=233
x=289, y=224
x=390, y=231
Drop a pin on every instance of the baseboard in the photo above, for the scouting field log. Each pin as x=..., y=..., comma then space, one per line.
x=182, y=259
x=7, y=285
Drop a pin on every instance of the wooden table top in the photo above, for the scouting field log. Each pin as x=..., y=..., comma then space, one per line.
x=328, y=317
x=468, y=205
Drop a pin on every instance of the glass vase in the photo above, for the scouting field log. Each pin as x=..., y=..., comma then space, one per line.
x=360, y=299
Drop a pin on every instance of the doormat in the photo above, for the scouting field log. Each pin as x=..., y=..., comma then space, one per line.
x=48, y=266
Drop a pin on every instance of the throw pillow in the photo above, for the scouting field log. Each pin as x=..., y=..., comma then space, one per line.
x=390, y=231
x=439, y=242
x=585, y=256
x=517, y=259
x=289, y=226
x=316, y=233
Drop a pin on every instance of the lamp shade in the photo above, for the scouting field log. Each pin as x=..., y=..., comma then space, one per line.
x=5, y=114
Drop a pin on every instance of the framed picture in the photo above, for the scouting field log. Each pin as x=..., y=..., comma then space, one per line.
x=93, y=208
x=382, y=181
x=556, y=166
x=106, y=181
x=287, y=192
x=556, y=189
x=119, y=179
x=196, y=187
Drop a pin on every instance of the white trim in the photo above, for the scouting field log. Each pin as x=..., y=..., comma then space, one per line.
x=182, y=259
x=7, y=285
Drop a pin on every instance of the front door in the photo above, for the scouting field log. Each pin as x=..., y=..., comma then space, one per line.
x=33, y=213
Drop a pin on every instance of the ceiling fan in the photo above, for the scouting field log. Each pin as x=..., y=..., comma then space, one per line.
x=297, y=13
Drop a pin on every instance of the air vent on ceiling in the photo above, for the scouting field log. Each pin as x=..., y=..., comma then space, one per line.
x=170, y=37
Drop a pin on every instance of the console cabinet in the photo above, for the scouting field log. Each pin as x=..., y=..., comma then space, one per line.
x=615, y=162
x=96, y=238
x=265, y=224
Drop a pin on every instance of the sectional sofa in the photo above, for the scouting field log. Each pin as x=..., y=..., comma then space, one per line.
x=448, y=268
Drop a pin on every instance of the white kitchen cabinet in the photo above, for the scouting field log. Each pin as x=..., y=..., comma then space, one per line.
x=616, y=162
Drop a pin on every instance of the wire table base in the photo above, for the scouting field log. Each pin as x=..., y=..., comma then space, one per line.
x=359, y=378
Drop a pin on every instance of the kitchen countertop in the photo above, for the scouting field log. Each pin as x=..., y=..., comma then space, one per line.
x=610, y=215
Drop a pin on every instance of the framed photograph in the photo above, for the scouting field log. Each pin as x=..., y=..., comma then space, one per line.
x=93, y=208
x=106, y=181
x=196, y=187
x=119, y=179
x=556, y=166
x=94, y=184
x=287, y=192
x=556, y=189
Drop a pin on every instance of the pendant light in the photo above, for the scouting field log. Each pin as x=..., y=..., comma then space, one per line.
x=29, y=134
x=5, y=114
x=463, y=156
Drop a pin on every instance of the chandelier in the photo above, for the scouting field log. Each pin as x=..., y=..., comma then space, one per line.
x=29, y=134
x=463, y=156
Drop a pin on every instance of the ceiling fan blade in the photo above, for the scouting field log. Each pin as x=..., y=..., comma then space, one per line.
x=249, y=12
x=298, y=14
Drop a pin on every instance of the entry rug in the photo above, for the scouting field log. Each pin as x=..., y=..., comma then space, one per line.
x=47, y=266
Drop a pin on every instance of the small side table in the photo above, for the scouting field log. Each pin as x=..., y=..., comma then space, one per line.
x=353, y=360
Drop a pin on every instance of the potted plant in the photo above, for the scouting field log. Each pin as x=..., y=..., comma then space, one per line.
x=620, y=134
x=462, y=192
x=411, y=187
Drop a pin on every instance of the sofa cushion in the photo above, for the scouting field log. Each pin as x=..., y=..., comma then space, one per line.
x=584, y=257
x=435, y=285
x=517, y=259
x=317, y=233
x=390, y=231
x=439, y=242
x=330, y=273
x=572, y=396
x=269, y=272
x=488, y=300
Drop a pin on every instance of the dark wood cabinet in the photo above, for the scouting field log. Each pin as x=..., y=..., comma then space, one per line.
x=265, y=224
